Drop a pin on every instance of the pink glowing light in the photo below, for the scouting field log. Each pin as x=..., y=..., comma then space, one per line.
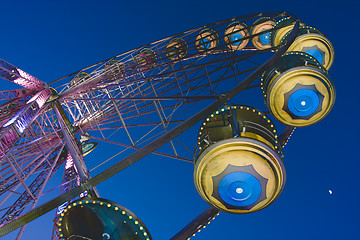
x=41, y=97
x=30, y=81
x=20, y=81
x=69, y=162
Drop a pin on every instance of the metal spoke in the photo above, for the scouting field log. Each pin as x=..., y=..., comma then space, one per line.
x=197, y=224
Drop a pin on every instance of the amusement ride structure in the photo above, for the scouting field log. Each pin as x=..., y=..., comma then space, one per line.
x=144, y=99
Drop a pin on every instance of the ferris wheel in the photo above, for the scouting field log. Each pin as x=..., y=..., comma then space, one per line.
x=142, y=101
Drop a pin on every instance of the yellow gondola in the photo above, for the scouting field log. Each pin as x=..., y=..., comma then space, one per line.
x=207, y=40
x=238, y=167
x=297, y=90
x=145, y=59
x=233, y=35
x=176, y=49
x=283, y=26
x=262, y=41
x=314, y=43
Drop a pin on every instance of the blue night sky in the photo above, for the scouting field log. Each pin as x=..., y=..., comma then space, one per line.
x=50, y=39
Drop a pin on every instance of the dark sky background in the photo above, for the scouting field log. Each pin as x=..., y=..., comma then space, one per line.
x=50, y=39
